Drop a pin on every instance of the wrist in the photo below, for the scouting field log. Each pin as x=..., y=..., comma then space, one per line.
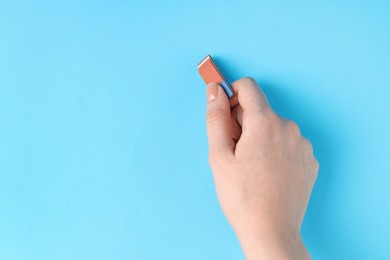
x=273, y=245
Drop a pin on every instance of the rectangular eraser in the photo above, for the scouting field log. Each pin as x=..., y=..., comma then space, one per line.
x=210, y=73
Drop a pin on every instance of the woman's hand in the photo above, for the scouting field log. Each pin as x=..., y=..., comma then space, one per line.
x=264, y=171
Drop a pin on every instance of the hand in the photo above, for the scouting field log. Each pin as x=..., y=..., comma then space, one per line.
x=264, y=171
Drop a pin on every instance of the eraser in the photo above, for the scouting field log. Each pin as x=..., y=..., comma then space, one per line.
x=210, y=73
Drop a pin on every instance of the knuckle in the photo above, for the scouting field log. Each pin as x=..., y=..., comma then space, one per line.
x=293, y=128
x=309, y=146
x=313, y=175
x=214, y=115
x=249, y=80
x=313, y=168
x=316, y=166
x=245, y=81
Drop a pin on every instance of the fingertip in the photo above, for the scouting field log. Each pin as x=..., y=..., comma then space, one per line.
x=211, y=91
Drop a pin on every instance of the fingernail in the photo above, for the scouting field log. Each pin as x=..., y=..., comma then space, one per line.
x=212, y=91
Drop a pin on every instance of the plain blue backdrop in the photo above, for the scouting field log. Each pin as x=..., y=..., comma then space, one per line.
x=103, y=149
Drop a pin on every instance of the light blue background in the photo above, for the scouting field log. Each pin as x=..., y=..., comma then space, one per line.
x=103, y=150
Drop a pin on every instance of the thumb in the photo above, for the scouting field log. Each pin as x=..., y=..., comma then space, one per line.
x=218, y=121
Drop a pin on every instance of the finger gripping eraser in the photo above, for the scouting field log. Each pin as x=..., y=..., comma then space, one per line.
x=210, y=73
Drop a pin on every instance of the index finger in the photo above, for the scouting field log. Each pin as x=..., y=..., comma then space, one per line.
x=249, y=95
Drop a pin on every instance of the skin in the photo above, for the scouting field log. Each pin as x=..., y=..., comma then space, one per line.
x=264, y=171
